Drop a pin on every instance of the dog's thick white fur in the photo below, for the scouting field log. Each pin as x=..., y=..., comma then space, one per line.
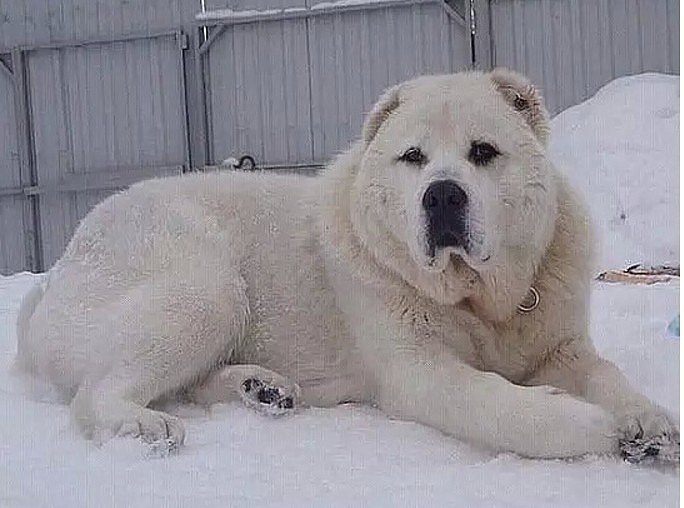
x=325, y=288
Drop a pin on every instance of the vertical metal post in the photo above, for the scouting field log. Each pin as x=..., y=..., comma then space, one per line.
x=27, y=162
x=479, y=32
x=182, y=40
x=201, y=92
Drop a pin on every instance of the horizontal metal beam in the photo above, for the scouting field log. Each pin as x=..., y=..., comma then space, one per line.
x=324, y=9
x=11, y=191
x=78, y=43
x=290, y=167
x=304, y=167
x=83, y=182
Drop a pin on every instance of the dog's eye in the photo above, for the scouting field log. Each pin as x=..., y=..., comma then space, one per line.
x=482, y=153
x=413, y=155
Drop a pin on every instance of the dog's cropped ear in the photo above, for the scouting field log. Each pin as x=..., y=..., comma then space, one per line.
x=388, y=102
x=525, y=98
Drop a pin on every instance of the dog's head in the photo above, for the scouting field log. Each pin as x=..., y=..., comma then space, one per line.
x=453, y=180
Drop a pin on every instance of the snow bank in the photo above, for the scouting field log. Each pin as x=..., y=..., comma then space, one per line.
x=621, y=148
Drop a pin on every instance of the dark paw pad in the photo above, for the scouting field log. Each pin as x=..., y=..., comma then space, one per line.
x=251, y=384
x=269, y=395
x=267, y=399
x=286, y=403
x=645, y=450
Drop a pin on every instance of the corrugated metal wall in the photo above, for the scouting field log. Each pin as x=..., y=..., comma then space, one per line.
x=295, y=91
x=251, y=110
x=101, y=114
x=32, y=22
x=87, y=107
x=355, y=56
x=571, y=48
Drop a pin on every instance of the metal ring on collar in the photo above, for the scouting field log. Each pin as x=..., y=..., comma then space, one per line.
x=522, y=307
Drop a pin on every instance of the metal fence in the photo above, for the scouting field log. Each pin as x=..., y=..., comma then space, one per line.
x=95, y=95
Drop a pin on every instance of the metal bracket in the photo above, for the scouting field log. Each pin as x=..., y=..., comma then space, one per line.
x=118, y=179
x=213, y=33
x=6, y=64
x=182, y=39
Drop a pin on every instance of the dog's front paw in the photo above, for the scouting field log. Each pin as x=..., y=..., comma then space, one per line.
x=154, y=427
x=648, y=434
x=267, y=398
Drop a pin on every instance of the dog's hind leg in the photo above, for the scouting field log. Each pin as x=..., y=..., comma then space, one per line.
x=171, y=331
x=263, y=390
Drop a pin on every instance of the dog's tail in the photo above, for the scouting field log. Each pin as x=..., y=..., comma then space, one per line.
x=26, y=309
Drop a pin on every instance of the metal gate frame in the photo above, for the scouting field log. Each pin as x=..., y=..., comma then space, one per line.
x=18, y=70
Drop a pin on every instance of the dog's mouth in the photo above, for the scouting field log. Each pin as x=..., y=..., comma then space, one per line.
x=438, y=259
x=458, y=241
x=447, y=240
x=437, y=255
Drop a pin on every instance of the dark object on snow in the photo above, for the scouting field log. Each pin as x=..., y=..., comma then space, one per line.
x=244, y=163
x=249, y=161
x=639, y=269
x=638, y=274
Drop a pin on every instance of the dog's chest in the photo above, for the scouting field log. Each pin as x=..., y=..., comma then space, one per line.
x=510, y=351
x=518, y=348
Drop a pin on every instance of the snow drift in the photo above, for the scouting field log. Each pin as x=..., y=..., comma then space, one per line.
x=621, y=149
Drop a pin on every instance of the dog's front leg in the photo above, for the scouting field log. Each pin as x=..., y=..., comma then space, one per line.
x=428, y=384
x=640, y=422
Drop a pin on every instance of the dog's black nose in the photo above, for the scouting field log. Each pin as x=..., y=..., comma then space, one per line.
x=444, y=197
x=445, y=204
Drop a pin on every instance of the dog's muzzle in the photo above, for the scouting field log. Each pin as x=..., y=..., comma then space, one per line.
x=445, y=205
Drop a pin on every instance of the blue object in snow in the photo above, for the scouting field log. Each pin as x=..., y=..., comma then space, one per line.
x=673, y=327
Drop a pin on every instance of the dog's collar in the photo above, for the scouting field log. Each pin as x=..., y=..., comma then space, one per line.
x=530, y=302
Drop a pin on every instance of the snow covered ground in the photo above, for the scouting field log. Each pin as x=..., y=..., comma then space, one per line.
x=355, y=456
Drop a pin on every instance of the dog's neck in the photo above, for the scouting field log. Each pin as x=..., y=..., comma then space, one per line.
x=566, y=260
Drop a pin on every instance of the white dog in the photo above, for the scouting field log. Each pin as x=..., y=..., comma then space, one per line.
x=439, y=268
